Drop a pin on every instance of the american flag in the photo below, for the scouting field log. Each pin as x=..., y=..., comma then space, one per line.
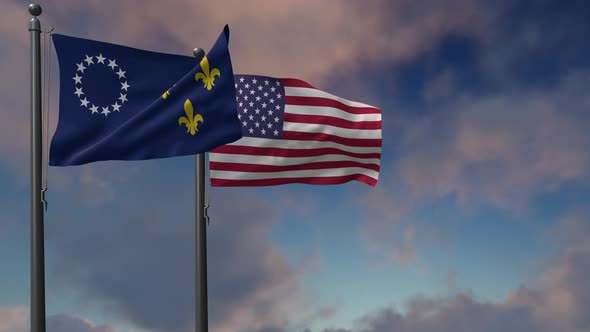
x=295, y=133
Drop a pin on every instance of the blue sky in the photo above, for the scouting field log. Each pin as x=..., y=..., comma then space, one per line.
x=479, y=221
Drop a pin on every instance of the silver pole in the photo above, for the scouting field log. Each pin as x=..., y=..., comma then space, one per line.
x=37, y=237
x=201, y=313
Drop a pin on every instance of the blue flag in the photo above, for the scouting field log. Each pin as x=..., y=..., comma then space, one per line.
x=122, y=103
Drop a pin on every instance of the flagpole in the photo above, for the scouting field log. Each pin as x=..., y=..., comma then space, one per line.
x=201, y=313
x=37, y=242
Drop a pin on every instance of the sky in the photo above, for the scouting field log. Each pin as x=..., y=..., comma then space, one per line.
x=479, y=221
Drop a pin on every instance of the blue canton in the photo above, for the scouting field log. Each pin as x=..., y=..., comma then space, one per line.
x=261, y=105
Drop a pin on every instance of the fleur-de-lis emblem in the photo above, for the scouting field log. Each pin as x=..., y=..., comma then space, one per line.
x=207, y=76
x=190, y=121
x=167, y=93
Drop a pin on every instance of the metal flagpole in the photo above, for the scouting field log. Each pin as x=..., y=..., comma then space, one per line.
x=37, y=241
x=201, y=313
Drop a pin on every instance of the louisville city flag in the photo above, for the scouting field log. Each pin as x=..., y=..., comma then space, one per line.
x=295, y=133
x=122, y=103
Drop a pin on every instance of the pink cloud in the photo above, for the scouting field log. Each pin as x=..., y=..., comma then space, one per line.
x=556, y=300
x=499, y=150
x=14, y=319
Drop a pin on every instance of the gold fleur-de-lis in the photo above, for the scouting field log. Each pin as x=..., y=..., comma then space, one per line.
x=167, y=93
x=190, y=121
x=207, y=76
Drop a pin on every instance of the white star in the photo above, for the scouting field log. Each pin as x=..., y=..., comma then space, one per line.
x=272, y=101
x=251, y=130
x=276, y=132
x=270, y=112
x=269, y=125
x=239, y=116
x=105, y=111
x=257, y=124
x=121, y=73
x=257, y=98
x=81, y=67
x=266, y=94
x=260, y=88
x=236, y=85
x=251, y=117
x=78, y=92
x=244, y=123
x=116, y=107
x=247, y=85
x=94, y=109
x=245, y=97
x=251, y=92
x=279, y=96
x=122, y=98
x=100, y=58
x=84, y=102
x=272, y=89
x=241, y=91
x=276, y=119
x=263, y=105
x=241, y=79
x=266, y=82
x=89, y=60
x=278, y=107
x=112, y=64
x=251, y=104
x=245, y=110
x=278, y=83
x=124, y=86
x=241, y=104
x=254, y=81
x=78, y=79
x=257, y=111
x=263, y=131
x=263, y=118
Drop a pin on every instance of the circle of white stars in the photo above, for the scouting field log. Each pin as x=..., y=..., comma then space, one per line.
x=258, y=117
x=84, y=102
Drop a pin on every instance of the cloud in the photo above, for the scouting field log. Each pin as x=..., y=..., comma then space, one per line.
x=562, y=295
x=15, y=319
x=391, y=229
x=500, y=150
x=556, y=300
x=493, y=120
x=136, y=262
x=67, y=323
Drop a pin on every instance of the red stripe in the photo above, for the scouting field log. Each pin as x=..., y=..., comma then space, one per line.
x=307, y=180
x=366, y=142
x=331, y=121
x=256, y=168
x=295, y=83
x=326, y=102
x=283, y=152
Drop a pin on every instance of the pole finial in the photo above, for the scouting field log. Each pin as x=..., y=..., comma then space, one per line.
x=35, y=9
x=199, y=53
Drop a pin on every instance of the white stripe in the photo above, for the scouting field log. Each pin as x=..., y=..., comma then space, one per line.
x=231, y=175
x=300, y=144
x=330, y=111
x=283, y=161
x=330, y=130
x=307, y=92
